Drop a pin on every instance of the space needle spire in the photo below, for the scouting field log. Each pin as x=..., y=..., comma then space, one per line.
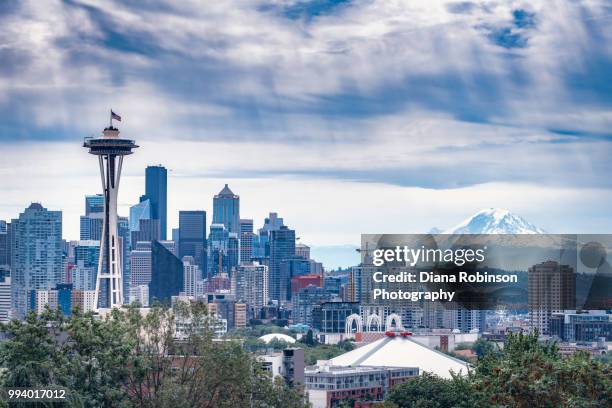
x=110, y=149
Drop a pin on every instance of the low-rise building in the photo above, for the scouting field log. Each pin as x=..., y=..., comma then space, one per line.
x=288, y=364
x=328, y=386
x=572, y=326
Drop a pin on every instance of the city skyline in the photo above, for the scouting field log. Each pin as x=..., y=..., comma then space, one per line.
x=294, y=111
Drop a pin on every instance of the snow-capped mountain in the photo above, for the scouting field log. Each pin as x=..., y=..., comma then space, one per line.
x=495, y=221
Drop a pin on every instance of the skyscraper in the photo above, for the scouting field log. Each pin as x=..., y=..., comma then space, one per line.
x=261, y=241
x=192, y=237
x=226, y=210
x=218, y=242
x=94, y=204
x=37, y=256
x=302, y=251
x=166, y=274
x=305, y=301
x=250, y=284
x=552, y=289
x=140, y=211
x=191, y=275
x=110, y=149
x=148, y=230
x=91, y=226
x=86, y=255
x=289, y=268
x=282, y=246
x=140, y=264
x=5, y=299
x=156, y=190
x=233, y=252
x=4, y=244
x=246, y=240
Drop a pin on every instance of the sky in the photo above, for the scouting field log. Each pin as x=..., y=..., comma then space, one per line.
x=345, y=117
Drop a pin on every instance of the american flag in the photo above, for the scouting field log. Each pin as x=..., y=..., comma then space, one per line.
x=115, y=116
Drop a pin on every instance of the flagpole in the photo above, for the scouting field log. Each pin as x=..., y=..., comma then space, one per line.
x=110, y=121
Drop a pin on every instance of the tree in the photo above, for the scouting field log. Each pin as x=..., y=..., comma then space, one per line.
x=31, y=357
x=309, y=338
x=525, y=373
x=481, y=347
x=528, y=373
x=164, y=358
x=431, y=391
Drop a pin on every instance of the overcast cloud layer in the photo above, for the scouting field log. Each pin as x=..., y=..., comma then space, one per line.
x=345, y=116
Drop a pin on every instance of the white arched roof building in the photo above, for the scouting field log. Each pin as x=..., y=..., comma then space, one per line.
x=277, y=336
x=396, y=350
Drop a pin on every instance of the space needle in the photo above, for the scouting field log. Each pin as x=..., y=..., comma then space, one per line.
x=110, y=149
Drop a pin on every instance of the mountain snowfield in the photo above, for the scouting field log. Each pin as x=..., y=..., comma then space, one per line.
x=495, y=221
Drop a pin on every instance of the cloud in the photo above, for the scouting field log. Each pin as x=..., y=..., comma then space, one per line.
x=437, y=96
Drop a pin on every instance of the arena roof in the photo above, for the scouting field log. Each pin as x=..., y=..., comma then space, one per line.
x=399, y=351
x=277, y=336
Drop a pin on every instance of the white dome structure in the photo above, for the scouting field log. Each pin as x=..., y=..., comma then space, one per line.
x=267, y=338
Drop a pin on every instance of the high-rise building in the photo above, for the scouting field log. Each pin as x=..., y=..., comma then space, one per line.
x=64, y=298
x=84, y=300
x=166, y=274
x=156, y=190
x=246, y=239
x=354, y=285
x=250, y=285
x=290, y=268
x=140, y=211
x=94, y=204
x=261, y=241
x=140, y=294
x=4, y=244
x=40, y=299
x=192, y=237
x=552, y=289
x=300, y=282
x=85, y=268
x=148, y=230
x=91, y=226
x=224, y=306
x=110, y=149
x=5, y=299
x=465, y=320
x=240, y=315
x=282, y=246
x=192, y=275
x=37, y=258
x=125, y=244
x=305, y=301
x=226, y=210
x=218, y=250
x=302, y=250
x=233, y=252
x=333, y=284
x=140, y=264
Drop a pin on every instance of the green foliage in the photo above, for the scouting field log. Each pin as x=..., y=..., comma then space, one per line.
x=528, y=373
x=128, y=359
x=525, y=373
x=605, y=358
x=482, y=347
x=430, y=391
x=324, y=352
x=309, y=339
